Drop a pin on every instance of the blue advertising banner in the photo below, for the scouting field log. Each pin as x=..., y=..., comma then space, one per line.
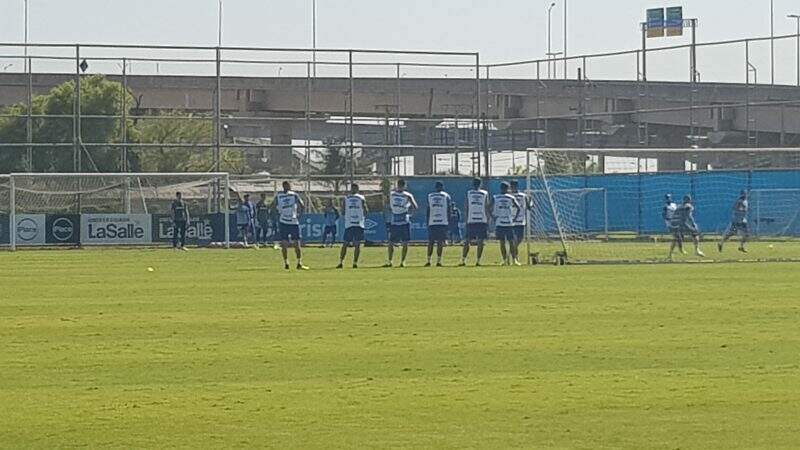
x=655, y=22
x=63, y=229
x=5, y=236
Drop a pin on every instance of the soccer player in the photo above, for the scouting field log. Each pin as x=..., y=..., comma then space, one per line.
x=440, y=206
x=477, y=210
x=180, y=219
x=504, y=209
x=262, y=219
x=403, y=205
x=290, y=208
x=521, y=220
x=684, y=216
x=739, y=223
x=668, y=214
x=331, y=216
x=245, y=217
x=355, y=214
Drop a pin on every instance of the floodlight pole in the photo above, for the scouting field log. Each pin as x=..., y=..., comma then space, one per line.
x=29, y=119
x=796, y=18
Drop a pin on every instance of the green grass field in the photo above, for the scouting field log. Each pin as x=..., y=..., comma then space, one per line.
x=219, y=349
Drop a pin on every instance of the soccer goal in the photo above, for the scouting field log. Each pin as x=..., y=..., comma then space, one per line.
x=115, y=209
x=606, y=205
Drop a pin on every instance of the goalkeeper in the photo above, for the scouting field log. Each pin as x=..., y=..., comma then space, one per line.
x=738, y=224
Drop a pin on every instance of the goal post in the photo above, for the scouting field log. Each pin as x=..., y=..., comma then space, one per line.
x=574, y=190
x=115, y=208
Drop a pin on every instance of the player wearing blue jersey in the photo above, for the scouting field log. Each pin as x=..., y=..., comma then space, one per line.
x=739, y=224
x=477, y=211
x=403, y=205
x=684, y=220
x=331, y=216
x=505, y=209
x=290, y=208
x=668, y=214
x=521, y=220
x=355, y=215
x=440, y=207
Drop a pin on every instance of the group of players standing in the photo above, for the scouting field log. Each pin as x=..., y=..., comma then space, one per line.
x=681, y=224
x=508, y=209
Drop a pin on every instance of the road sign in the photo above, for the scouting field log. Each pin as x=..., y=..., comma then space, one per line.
x=674, y=23
x=655, y=22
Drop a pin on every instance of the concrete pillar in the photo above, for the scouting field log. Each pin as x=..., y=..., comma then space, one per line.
x=423, y=162
x=281, y=159
x=669, y=162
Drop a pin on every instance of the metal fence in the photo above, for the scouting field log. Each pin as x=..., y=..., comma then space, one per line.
x=376, y=107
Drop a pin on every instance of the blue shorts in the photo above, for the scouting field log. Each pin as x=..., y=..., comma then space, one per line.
x=739, y=227
x=400, y=233
x=477, y=231
x=519, y=232
x=329, y=229
x=690, y=229
x=353, y=235
x=504, y=233
x=289, y=233
x=437, y=233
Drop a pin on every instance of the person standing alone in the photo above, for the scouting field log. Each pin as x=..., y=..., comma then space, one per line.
x=180, y=220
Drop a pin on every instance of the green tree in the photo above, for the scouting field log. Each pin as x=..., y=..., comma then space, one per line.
x=99, y=97
x=186, y=130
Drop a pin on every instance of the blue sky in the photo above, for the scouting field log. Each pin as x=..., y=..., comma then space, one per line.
x=500, y=30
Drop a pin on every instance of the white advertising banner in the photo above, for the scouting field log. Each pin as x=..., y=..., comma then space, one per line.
x=30, y=229
x=112, y=229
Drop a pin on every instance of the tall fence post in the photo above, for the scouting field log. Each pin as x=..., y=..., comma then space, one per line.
x=124, y=124
x=29, y=119
x=351, y=134
x=218, y=111
x=477, y=129
x=76, y=113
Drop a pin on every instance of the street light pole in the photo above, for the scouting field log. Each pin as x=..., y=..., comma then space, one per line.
x=550, y=39
x=796, y=18
x=565, y=39
x=26, y=35
x=772, y=39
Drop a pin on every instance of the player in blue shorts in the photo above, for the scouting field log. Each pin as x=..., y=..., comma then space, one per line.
x=331, y=216
x=355, y=215
x=477, y=211
x=672, y=225
x=440, y=206
x=403, y=205
x=739, y=223
x=504, y=209
x=521, y=220
x=290, y=208
x=684, y=220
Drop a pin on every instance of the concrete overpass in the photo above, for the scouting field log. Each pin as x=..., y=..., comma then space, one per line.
x=522, y=112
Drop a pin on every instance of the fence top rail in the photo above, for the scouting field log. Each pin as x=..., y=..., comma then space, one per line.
x=238, y=49
x=628, y=151
x=120, y=174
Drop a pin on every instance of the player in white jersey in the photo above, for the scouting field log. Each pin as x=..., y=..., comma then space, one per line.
x=355, y=216
x=290, y=208
x=504, y=209
x=477, y=212
x=403, y=205
x=440, y=205
x=521, y=221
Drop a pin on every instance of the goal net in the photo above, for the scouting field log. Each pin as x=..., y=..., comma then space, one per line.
x=607, y=205
x=115, y=209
